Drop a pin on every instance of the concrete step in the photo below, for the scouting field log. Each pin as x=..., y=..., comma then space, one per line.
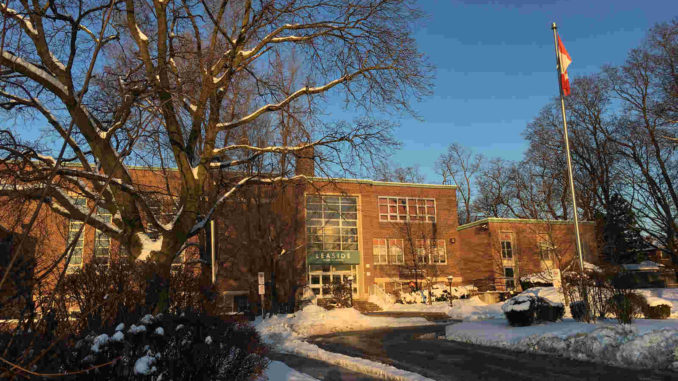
x=365, y=306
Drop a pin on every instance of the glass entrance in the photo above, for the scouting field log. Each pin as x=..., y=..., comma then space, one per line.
x=320, y=278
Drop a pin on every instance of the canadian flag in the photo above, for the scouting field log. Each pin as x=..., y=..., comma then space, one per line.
x=565, y=61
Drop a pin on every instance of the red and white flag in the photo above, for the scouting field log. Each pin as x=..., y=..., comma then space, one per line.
x=565, y=61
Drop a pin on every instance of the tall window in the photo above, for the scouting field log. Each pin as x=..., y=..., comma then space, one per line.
x=395, y=251
x=506, y=246
x=431, y=251
x=401, y=209
x=73, y=230
x=545, y=248
x=102, y=242
x=380, y=251
x=332, y=223
x=509, y=278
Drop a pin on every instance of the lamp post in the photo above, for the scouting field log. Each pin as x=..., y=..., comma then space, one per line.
x=350, y=286
x=449, y=280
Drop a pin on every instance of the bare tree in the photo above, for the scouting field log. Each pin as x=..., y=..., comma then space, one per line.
x=187, y=85
x=386, y=171
x=460, y=166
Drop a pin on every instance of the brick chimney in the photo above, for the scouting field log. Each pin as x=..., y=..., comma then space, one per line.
x=305, y=164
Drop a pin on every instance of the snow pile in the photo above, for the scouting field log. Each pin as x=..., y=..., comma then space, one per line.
x=286, y=334
x=118, y=336
x=314, y=320
x=553, y=294
x=134, y=329
x=646, y=343
x=279, y=371
x=475, y=309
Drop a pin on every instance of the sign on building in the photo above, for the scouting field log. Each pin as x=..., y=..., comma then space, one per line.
x=334, y=258
x=262, y=289
x=261, y=278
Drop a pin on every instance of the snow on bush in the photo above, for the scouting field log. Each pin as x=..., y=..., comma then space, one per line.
x=99, y=341
x=144, y=365
x=438, y=292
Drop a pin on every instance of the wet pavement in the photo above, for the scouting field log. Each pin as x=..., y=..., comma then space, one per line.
x=419, y=350
x=319, y=369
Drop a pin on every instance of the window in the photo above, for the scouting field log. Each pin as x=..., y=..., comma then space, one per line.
x=332, y=223
x=506, y=246
x=545, y=248
x=388, y=251
x=509, y=278
x=431, y=251
x=422, y=252
x=395, y=251
x=73, y=230
x=400, y=209
x=102, y=242
x=380, y=251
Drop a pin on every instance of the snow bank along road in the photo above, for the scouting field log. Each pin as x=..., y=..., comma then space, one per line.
x=405, y=349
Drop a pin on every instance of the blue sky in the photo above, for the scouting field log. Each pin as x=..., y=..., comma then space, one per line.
x=495, y=67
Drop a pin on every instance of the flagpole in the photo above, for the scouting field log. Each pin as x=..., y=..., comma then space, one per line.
x=567, y=150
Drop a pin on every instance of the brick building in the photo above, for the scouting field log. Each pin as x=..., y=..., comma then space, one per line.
x=377, y=234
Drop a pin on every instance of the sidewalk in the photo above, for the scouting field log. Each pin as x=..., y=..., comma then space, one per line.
x=319, y=369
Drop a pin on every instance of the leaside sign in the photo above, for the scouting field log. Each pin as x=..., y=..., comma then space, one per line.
x=334, y=258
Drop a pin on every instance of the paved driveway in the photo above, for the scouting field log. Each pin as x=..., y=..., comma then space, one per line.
x=416, y=350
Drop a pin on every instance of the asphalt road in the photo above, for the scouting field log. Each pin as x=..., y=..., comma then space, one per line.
x=416, y=349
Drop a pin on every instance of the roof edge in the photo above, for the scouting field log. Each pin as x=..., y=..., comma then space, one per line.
x=381, y=183
x=520, y=221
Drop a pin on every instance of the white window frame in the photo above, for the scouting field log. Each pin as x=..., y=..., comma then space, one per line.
x=430, y=252
x=511, y=246
x=379, y=251
x=545, y=246
x=73, y=228
x=396, y=249
x=100, y=237
x=413, y=210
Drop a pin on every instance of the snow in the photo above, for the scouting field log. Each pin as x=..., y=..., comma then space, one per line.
x=646, y=343
x=148, y=245
x=118, y=336
x=180, y=326
x=279, y=371
x=134, y=329
x=517, y=303
x=662, y=296
x=475, y=309
x=120, y=327
x=99, y=341
x=285, y=333
x=644, y=265
x=144, y=365
x=159, y=331
x=147, y=319
x=208, y=340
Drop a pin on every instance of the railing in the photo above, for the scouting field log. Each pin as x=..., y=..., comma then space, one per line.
x=384, y=297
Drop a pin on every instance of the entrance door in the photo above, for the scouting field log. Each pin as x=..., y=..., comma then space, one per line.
x=320, y=278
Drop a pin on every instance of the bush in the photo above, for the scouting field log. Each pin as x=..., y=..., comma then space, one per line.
x=579, y=310
x=661, y=311
x=549, y=311
x=190, y=346
x=627, y=306
x=520, y=310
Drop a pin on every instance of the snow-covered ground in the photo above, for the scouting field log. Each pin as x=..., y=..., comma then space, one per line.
x=645, y=343
x=286, y=333
x=279, y=371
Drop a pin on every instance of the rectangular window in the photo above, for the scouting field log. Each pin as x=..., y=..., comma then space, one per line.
x=509, y=278
x=400, y=209
x=395, y=252
x=73, y=229
x=438, y=253
x=545, y=248
x=332, y=223
x=102, y=242
x=380, y=251
x=422, y=249
x=506, y=245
